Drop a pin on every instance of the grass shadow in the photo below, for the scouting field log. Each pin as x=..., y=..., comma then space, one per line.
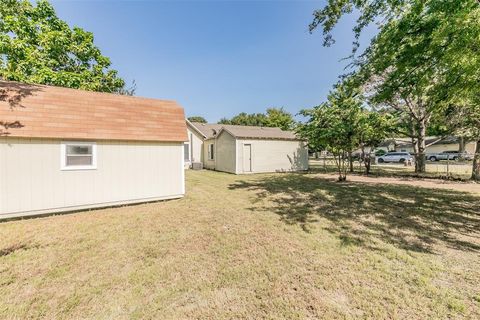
x=411, y=218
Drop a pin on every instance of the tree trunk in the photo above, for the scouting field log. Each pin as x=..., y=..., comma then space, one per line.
x=461, y=147
x=343, y=170
x=420, y=156
x=367, y=160
x=414, y=144
x=368, y=163
x=461, y=144
x=350, y=161
x=476, y=163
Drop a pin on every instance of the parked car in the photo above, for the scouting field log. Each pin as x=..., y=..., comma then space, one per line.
x=449, y=155
x=400, y=157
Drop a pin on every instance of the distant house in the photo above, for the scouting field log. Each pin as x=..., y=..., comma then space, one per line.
x=432, y=145
x=245, y=149
x=63, y=149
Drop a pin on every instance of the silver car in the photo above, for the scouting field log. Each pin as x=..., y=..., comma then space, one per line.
x=449, y=155
x=399, y=157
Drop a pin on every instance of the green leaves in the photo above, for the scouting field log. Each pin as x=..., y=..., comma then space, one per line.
x=343, y=124
x=274, y=117
x=37, y=47
x=198, y=119
x=423, y=64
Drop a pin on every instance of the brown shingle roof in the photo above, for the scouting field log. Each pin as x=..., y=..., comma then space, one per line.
x=210, y=130
x=37, y=111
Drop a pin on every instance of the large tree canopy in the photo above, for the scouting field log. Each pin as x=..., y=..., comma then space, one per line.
x=424, y=60
x=38, y=47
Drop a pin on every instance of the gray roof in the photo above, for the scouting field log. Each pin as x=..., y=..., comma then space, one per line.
x=210, y=130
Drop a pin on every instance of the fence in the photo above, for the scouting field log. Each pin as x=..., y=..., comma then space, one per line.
x=448, y=168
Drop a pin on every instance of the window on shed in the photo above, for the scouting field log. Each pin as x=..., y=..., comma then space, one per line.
x=211, y=152
x=186, y=152
x=78, y=155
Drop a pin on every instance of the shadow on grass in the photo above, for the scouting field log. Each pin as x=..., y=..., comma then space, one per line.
x=391, y=170
x=408, y=217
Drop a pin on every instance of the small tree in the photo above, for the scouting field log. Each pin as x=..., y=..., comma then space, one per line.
x=336, y=124
x=374, y=128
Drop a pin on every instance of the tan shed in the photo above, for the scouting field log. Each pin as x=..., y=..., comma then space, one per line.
x=64, y=149
x=247, y=149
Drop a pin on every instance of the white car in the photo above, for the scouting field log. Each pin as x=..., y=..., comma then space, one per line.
x=400, y=157
x=449, y=155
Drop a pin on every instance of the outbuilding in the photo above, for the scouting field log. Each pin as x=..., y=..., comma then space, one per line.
x=249, y=149
x=64, y=149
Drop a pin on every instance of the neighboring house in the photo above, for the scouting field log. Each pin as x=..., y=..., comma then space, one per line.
x=393, y=144
x=432, y=145
x=194, y=146
x=246, y=149
x=448, y=144
x=63, y=149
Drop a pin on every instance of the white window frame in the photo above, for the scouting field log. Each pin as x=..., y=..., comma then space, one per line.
x=63, y=155
x=211, y=151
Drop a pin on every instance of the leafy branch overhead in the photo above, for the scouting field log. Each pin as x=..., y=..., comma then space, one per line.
x=38, y=47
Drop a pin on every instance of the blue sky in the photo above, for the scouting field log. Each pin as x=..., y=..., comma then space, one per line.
x=217, y=58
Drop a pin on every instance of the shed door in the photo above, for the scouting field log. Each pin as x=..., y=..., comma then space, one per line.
x=247, y=158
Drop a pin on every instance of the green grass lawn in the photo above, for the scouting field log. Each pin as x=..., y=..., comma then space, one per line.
x=277, y=246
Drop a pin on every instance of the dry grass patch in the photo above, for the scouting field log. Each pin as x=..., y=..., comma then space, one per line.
x=277, y=246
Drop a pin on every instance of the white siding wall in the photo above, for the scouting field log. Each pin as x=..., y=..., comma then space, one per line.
x=225, y=153
x=31, y=181
x=207, y=163
x=196, y=145
x=274, y=155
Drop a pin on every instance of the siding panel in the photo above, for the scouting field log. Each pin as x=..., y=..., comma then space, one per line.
x=126, y=172
x=225, y=153
x=274, y=155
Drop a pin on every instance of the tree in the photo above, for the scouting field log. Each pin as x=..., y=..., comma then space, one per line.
x=37, y=47
x=335, y=124
x=424, y=50
x=344, y=124
x=224, y=121
x=274, y=117
x=374, y=128
x=198, y=119
x=278, y=117
x=245, y=119
x=463, y=119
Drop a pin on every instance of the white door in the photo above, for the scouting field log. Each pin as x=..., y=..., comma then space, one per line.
x=247, y=158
